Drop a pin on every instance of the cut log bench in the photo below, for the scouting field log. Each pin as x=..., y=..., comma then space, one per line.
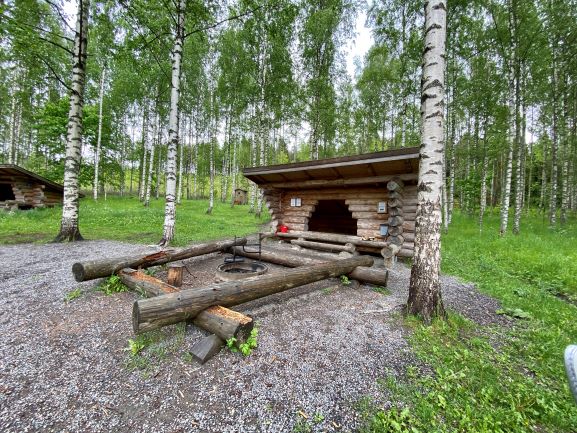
x=206, y=307
x=220, y=322
x=170, y=308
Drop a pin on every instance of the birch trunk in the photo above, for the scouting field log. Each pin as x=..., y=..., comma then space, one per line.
x=170, y=196
x=233, y=170
x=485, y=166
x=520, y=168
x=151, y=163
x=69, y=230
x=425, y=287
x=554, y=146
x=142, y=180
x=211, y=180
x=180, y=159
x=506, y=198
x=99, y=137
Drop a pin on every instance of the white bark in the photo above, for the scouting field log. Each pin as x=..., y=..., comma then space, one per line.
x=170, y=197
x=69, y=224
x=180, y=159
x=506, y=199
x=151, y=163
x=424, y=287
x=485, y=167
x=99, y=136
x=554, y=148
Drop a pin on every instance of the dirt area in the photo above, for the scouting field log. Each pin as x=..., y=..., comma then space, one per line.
x=64, y=365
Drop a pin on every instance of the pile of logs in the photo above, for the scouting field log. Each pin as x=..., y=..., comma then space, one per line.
x=206, y=307
x=401, y=223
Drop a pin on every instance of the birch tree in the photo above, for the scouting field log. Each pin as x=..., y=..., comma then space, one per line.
x=173, y=124
x=425, y=286
x=69, y=230
x=99, y=137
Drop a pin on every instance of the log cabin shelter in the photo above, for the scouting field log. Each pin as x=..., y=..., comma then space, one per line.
x=369, y=197
x=23, y=189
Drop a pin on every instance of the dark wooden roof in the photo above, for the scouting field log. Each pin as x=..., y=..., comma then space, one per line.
x=366, y=168
x=10, y=173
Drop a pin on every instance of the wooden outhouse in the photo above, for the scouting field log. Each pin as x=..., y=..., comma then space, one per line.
x=240, y=196
x=22, y=189
x=368, y=199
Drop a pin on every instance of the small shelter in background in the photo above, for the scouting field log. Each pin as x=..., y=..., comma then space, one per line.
x=363, y=198
x=240, y=196
x=22, y=189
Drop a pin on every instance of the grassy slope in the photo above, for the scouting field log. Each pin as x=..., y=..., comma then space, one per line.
x=496, y=380
x=125, y=219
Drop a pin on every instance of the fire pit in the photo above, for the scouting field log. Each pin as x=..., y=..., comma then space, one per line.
x=239, y=270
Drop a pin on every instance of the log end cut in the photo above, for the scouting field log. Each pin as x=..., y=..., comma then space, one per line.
x=78, y=271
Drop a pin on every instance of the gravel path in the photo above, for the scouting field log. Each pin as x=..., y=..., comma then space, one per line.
x=322, y=347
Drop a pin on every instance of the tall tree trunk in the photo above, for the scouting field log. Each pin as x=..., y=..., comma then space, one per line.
x=425, y=287
x=69, y=230
x=180, y=160
x=99, y=137
x=12, y=126
x=485, y=167
x=506, y=197
x=143, y=160
x=211, y=180
x=554, y=144
x=151, y=163
x=520, y=167
x=173, y=124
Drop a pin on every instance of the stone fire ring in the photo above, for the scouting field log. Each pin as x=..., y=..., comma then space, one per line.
x=240, y=270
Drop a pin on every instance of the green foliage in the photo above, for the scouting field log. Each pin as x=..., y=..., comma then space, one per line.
x=147, y=350
x=345, y=280
x=495, y=379
x=125, y=219
x=72, y=295
x=247, y=347
x=112, y=285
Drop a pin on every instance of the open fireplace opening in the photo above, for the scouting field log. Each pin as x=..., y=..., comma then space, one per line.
x=333, y=216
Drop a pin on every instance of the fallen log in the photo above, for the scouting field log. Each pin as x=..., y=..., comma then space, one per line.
x=330, y=237
x=225, y=323
x=217, y=320
x=348, y=247
x=283, y=257
x=152, y=313
x=89, y=270
x=146, y=284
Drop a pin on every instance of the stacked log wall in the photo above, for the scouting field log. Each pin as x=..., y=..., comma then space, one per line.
x=362, y=202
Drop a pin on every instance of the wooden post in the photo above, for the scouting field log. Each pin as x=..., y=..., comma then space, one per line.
x=174, y=277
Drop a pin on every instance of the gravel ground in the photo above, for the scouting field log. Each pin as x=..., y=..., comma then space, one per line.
x=322, y=347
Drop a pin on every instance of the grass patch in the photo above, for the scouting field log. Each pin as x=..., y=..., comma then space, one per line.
x=495, y=379
x=148, y=350
x=126, y=219
x=73, y=294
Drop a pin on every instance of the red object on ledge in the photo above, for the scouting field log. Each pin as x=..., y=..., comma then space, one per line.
x=283, y=229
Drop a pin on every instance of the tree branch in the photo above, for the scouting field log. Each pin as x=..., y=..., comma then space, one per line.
x=218, y=23
x=56, y=76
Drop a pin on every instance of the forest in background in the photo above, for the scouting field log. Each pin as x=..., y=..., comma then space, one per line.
x=265, y=83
